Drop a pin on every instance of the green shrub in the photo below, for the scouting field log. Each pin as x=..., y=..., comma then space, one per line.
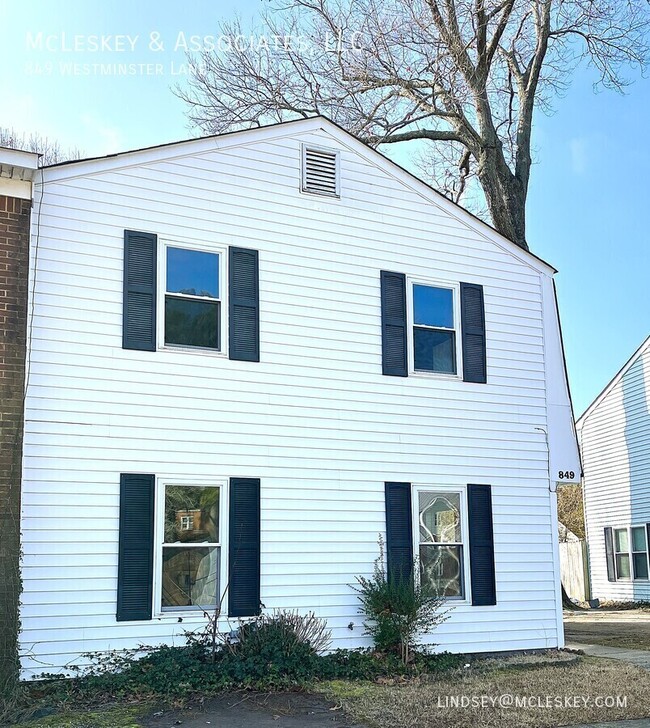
x=398, y=610
x=279, y=648
x=277, y=651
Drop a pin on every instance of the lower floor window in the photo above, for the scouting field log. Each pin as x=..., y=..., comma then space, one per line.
x=191, y=547
x=631, y=552
x=441, y=543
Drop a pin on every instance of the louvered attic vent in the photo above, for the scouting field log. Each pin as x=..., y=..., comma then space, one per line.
x=320, y=171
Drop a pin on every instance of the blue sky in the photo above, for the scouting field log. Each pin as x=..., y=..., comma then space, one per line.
x=589, y=197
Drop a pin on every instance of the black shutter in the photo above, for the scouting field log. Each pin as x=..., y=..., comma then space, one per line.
x=609, y=553
x=472, y=313
x=244, y=304
x=139, y=307
x=135, y=553
x=393, y=324
x=399, y=531
x=481, y=545
x=244, y=548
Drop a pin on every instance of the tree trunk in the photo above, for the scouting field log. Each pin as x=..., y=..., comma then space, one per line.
x=505, y=195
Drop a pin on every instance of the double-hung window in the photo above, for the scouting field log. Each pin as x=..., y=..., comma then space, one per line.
x=434, y=328
x=193, y=307
x=440, y=542
x=191, y=546
x=631, y=552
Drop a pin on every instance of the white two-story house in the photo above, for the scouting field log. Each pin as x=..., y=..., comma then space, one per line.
x=252, y=355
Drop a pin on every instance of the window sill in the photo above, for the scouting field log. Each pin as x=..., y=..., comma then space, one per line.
x=184, y=614
x=624, y=580
x=436, y=375
x=202, y=351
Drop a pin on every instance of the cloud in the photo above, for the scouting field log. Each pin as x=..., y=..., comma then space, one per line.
x=107, y=139
x=580, y=157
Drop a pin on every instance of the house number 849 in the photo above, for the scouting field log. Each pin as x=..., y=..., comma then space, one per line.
x=566, y=475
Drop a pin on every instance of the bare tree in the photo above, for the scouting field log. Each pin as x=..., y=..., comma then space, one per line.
x=570, y=508
x=463, y=75
x=50, y=149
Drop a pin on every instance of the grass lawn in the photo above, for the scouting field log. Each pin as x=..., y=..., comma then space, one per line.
x=108, y=717
x=425, y=703
x=629, y=629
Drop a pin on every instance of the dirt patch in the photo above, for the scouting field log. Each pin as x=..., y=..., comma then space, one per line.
x=245, y=710
x=626, y=628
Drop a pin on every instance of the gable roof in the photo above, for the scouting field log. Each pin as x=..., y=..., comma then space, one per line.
x=614, y=381
x=207, y=143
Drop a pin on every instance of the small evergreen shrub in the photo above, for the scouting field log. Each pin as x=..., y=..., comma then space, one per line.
x=398, y=611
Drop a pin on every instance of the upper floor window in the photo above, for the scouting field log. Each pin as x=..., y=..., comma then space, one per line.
x=434, y=328
x=440, y=542
x=193, y=298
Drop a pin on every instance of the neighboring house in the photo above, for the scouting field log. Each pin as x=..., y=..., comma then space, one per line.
x=614, y=436
x=254, y=354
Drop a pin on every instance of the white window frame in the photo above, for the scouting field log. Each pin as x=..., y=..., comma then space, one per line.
x=630, y=551
x=464, y=532
x=303, y=171
x=222, y=252
x=410, y=318
x=159, y=536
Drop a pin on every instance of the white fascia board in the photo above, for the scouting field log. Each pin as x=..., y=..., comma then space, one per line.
x=19, y=159
x=564, y=455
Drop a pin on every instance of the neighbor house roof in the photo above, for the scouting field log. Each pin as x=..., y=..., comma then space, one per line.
x=336, y=130
x=614, y=381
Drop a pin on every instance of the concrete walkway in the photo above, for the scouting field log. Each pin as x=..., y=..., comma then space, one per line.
x=640, y=658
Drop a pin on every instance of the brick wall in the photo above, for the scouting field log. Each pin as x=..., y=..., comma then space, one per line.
x=14, y=261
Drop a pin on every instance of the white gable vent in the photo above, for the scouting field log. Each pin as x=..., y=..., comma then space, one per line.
x=320, y=171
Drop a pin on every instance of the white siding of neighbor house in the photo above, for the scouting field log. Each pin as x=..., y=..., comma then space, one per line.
x=314, y=419
x=614, y=436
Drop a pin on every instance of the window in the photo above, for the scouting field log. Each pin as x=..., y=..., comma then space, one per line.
x=191, y=546
x=434, y=318
x=639, y=552
x=193, y=301
x=187, y=523
x=440, y=546
x=631, y=552
x=621, y=553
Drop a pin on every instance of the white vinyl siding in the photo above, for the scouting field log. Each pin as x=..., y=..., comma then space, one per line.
x=314, y=419
x=614, y=437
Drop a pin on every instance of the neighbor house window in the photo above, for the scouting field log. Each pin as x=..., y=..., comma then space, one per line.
x=440, y=546
x=622, y=553
x=639, y=552
x=186, y=523
x=193, y=298
x=434, y=328
x=191, y=546
x=631, y=552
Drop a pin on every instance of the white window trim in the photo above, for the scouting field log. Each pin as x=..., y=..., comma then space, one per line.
x=303, y=171
x=466, y=599
x=159, y=533
x=631, y=552
x=220, y=250
x=410, y=319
